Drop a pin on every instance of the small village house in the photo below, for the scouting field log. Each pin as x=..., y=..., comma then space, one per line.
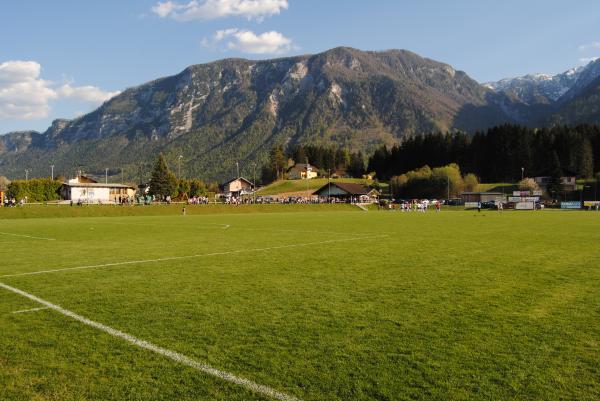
x=302, y=171
x=83, y=189
x=568, y=181
x=237, y=187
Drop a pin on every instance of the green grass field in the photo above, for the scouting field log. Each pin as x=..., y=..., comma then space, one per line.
x=326, y=304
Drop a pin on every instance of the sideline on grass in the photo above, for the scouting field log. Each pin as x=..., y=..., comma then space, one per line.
x=141, y=261
x=173, y=355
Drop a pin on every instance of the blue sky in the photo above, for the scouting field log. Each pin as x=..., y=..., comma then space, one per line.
x=62, y=58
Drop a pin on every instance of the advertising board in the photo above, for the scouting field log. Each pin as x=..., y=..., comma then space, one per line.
x=525, y=206
x=570, y=205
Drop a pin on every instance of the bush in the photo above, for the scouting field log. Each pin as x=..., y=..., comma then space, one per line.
x=35, y=190
x=528, y=184
x=427, y=183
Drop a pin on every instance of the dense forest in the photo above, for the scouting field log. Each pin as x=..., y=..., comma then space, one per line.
x=498, y=154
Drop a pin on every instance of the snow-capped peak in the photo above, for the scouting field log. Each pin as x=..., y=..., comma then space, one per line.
x=532, y=88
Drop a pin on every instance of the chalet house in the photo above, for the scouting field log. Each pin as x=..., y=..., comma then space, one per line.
x=340, y=173
x=345, y=191
x=302, y=171
x=568, y=181
x=87, y=190
x=237, y=187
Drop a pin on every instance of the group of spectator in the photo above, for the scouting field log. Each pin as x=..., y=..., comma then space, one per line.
x=13, y=202
x=198, y=200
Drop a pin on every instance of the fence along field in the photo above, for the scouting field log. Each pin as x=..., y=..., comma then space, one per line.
x=310, y=306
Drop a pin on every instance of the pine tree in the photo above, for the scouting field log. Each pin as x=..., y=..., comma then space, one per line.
x=585, y=159
x=554, y=182
x=277, y=161
x=356, y=168
x=163, y=181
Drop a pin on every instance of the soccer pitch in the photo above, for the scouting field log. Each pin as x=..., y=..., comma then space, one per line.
x=302, y=306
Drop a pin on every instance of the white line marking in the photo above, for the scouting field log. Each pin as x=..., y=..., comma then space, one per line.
x=30, y=310
x=224, y=226
x=134, y=262
x=28, y=236
x=175, y=356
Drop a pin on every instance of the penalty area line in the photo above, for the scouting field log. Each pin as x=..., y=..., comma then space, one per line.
x=170, y=258
x=173, y=355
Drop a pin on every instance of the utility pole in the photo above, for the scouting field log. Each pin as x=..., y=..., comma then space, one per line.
x=52, y=171
x=106, y=175
x=254, y=181
x=306, y=177
x=328, y=185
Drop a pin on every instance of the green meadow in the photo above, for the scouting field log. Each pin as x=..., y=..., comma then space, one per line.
x=326, y=303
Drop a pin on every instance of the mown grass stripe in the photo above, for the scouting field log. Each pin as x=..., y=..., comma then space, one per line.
x=173, y=355
x=142, y=261
x=27, y=236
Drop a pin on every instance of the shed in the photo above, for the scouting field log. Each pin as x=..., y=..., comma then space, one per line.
x=348, y=191
x=481, y=196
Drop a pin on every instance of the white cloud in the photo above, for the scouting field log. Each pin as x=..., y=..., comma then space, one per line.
x=245, y=41
x=88, y=93
x=589, y=46
x=586, y=60
x=24, y=95
x=212, y=9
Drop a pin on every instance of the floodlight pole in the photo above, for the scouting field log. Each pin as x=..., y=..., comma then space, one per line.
x=106, y=175
x=26, y=174
x=522, y=173
x=179, y=168
x=52, y=171
x=237, y=167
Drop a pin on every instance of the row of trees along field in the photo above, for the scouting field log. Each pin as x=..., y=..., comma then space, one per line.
x=438, y=182
x=34, y=190
x=498, y=154
x=164, y=183
x=324, y=158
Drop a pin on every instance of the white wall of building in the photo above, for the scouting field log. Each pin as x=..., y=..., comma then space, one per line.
x=87, y=194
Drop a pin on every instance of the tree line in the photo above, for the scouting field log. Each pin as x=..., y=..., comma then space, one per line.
x=327, y=159
x=34, y=190
x=439, y=182
x=164, y=183
x=500, y=154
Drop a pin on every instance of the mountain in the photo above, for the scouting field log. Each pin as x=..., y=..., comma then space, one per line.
x=535, y=89
x=235, y=110
x=583, y=108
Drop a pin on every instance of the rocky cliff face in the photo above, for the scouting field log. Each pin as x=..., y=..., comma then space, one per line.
x=235, y=110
